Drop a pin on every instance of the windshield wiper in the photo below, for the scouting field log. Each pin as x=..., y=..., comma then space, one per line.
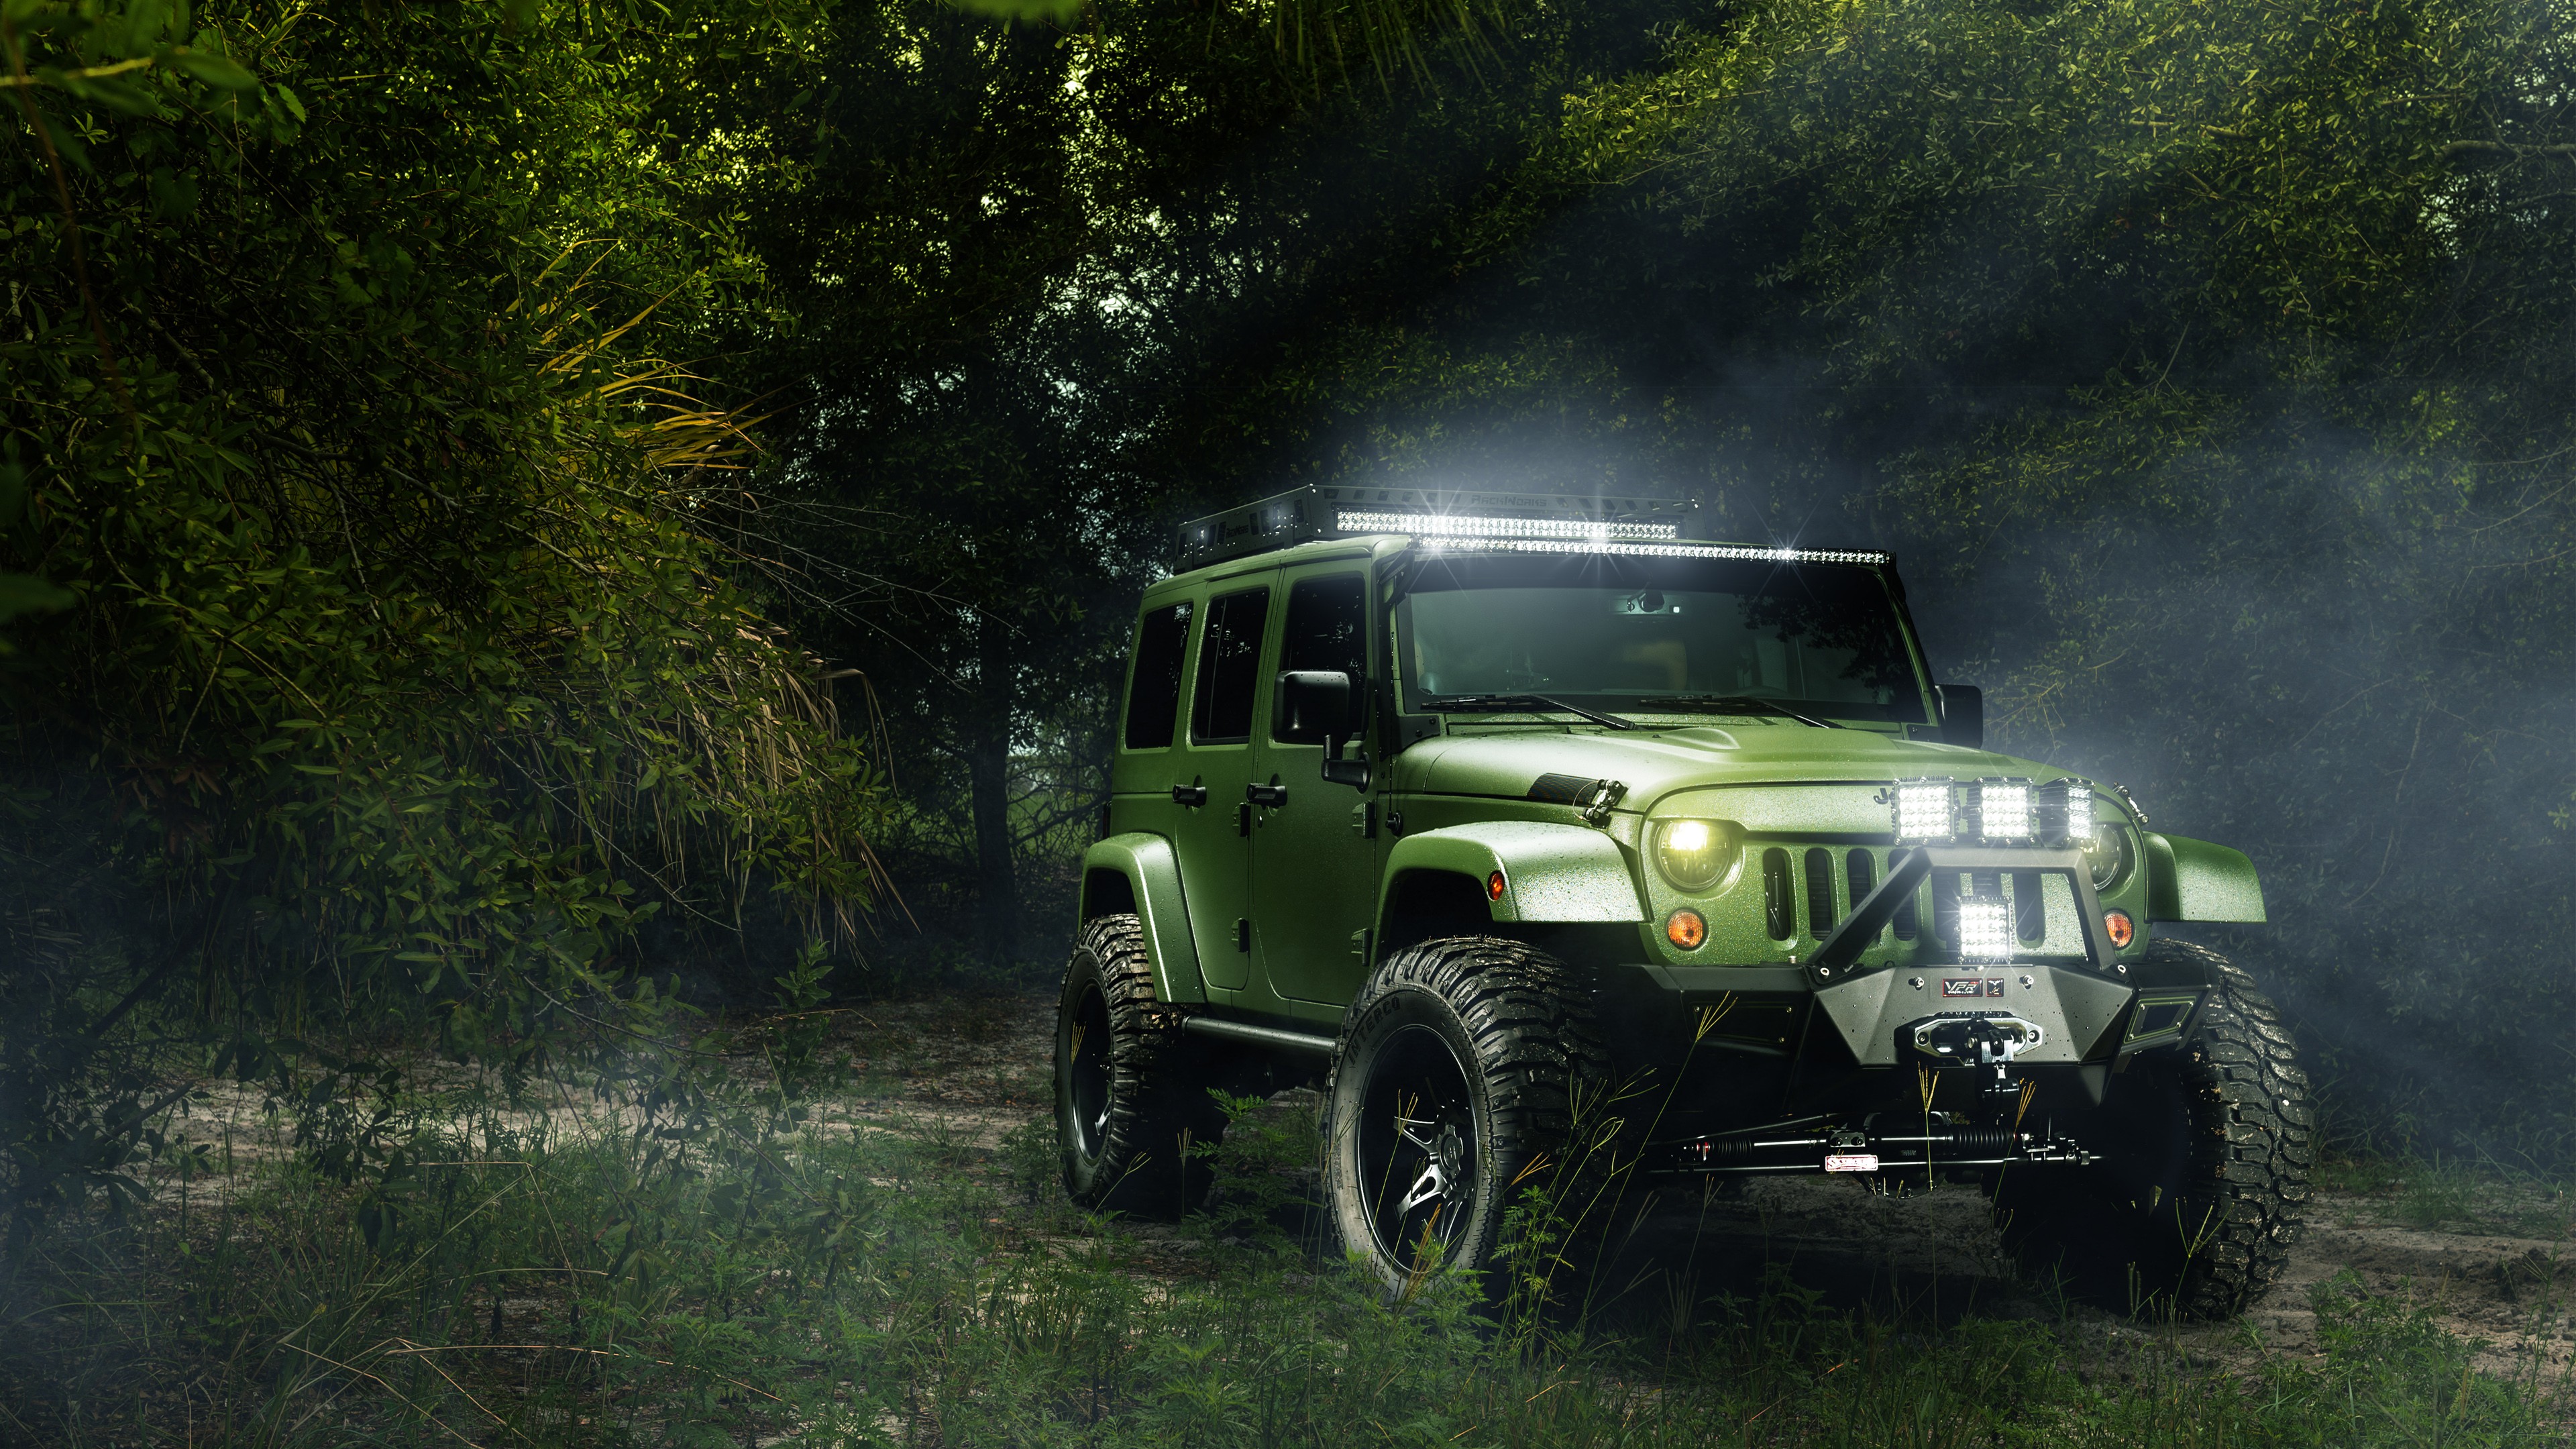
x=1742, y=704
x=1524, y=702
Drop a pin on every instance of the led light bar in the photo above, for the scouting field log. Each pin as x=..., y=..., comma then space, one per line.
x=1463, y=519
x=1445, y=526
x=1438, y=544
x=1985, y=929
x=1990, y=812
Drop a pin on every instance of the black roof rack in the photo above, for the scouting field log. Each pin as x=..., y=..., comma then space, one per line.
x=1315, y=511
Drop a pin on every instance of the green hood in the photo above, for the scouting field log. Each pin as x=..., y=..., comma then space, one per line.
x=1656, y=763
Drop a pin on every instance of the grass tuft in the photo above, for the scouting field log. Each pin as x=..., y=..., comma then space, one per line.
x=591, y=1275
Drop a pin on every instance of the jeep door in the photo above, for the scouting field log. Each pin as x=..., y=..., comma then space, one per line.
x=1149, y=760
x=1315, y=849
x=1212, y=835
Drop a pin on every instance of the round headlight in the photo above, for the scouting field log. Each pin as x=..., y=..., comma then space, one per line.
x=2112, y=854
x=1697, y=855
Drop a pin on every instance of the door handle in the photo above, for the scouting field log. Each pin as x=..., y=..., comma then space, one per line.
x=1272, y=796
x=1190, y=795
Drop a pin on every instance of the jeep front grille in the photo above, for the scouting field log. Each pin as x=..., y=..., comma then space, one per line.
x=1779, y=907
x=1820, y=893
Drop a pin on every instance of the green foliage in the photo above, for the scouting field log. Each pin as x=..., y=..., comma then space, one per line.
x=410, y=666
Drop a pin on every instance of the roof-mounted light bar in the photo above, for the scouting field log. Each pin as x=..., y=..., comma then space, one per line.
x=1459, y=520
x=1446, y=526
x=1440, y=544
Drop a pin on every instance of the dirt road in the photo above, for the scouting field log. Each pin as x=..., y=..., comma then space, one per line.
x=2491, y=1259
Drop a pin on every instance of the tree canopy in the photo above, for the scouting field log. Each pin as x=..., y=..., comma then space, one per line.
x=506, y=502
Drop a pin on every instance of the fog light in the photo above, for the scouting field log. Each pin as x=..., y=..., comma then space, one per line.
x=2116, y=925
x=1985, y=929
x=1494, y=886
x=1685, y=929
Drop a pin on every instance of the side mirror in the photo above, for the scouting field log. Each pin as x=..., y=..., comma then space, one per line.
x=1963, y=714
x=1307, y=704
x=1310, y=704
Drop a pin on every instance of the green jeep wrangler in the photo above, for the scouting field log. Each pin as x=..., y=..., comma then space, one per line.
x=1532, y=824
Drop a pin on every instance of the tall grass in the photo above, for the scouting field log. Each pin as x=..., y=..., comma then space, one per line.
x=748, y=1265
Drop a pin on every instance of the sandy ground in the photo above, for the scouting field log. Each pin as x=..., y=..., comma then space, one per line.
x=966, y=1071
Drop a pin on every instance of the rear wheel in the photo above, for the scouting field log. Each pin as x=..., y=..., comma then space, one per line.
x=1463, y=1066
x=2205, y=1150
x=1130, y=1089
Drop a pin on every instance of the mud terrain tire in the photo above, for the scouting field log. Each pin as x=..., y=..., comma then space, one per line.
x=1463, y=1061
x=1130, y=1089
x=2206, y=1149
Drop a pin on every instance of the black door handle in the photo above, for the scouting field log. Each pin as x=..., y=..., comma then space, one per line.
x=1190, y=795
x=1273, y=796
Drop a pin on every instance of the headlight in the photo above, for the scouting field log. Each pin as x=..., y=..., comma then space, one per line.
x=2112, y=854
x=1697, y=855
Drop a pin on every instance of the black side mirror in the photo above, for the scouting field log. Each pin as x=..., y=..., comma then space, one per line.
x=1309, y=704
x=1963, y=714
x=1326, y=703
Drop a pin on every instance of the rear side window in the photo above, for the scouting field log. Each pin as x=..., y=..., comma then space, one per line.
x=1229, y=667
x=1154, y=693
x=1327, y=629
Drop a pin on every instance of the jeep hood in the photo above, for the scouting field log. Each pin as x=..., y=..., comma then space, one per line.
x=1654, y=763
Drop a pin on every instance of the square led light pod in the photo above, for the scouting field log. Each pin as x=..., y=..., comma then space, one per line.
x=1985, y=929
x=1924, y=810
x=2066, y=811
x=2004, y=811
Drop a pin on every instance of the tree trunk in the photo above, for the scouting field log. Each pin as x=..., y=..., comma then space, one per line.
x=988, y=765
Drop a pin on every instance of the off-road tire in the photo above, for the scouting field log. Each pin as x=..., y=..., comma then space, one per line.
x=1518, y=1026
x=2206, y=1148
x=1127, y=1108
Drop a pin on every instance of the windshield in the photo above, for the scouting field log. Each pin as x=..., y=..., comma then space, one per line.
x=1615, y=632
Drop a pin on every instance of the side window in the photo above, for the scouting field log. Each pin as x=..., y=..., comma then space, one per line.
x=1229, y=667
x=1154, y=694
x=1327, y=629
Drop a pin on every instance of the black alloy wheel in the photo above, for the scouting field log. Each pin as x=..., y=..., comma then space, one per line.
x=1416, y=1148
x=1465, y=1064
x=1130, y=1089
x=1088, y=1082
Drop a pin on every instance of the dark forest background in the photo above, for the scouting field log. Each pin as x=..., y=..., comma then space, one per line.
x=520, y=518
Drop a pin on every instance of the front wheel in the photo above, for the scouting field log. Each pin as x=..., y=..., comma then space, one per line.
x=1130, y=1090
x=2205, y=1150
x=1462, y=1065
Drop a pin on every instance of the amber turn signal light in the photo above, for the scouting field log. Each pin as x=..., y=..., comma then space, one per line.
x=1685, y=929
x=1494, y=886
x=2117, y=925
